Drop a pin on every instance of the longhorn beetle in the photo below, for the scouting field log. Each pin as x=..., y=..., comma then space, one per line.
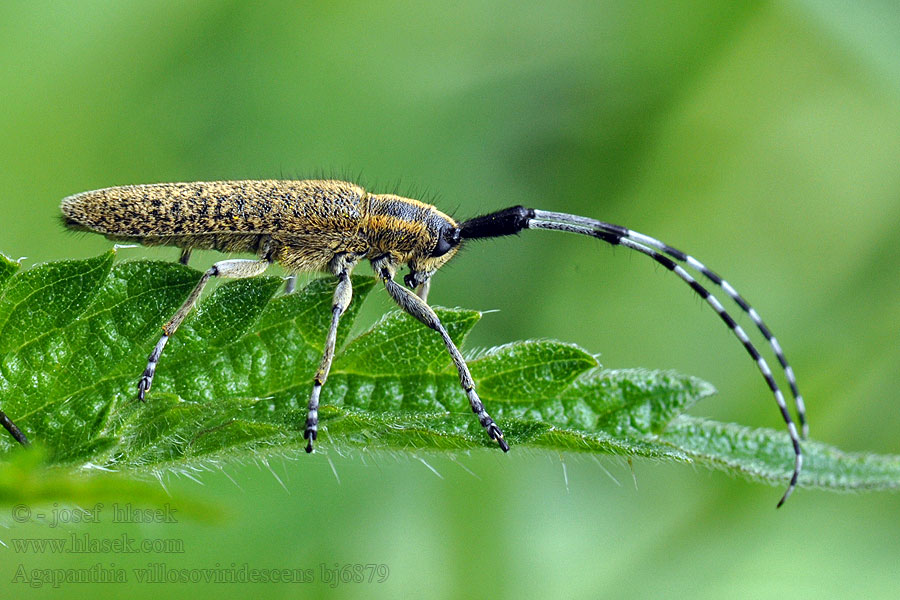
x=329, y=225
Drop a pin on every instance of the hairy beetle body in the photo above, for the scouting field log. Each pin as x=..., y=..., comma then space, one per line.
x=299, y=224
x=331, y=226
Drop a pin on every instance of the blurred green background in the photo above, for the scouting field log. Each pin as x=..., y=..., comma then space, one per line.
x=762, y=137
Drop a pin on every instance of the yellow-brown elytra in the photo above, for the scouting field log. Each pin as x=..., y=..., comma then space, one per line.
x=329, y=225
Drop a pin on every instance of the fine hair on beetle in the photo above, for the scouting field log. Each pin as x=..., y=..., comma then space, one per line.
x=330, y=225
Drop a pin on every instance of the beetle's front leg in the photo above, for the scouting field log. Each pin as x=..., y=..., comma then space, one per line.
x=420, y=281
x=417, y=307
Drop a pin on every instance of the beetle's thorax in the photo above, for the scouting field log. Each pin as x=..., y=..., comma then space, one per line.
x=407, y=230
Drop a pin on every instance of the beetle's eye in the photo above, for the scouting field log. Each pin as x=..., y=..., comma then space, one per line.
x=442, y=248
x=448, y=239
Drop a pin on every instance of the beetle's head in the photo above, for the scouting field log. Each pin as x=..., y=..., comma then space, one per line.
x=443, y=243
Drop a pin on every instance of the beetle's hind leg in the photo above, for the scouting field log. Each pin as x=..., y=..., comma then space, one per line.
x=341, y=266
x=416, y=306
x=230, y=269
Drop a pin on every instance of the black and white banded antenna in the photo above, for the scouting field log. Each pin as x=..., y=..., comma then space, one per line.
x=513, y=220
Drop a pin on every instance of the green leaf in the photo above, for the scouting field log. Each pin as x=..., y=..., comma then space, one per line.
x=234, y=381
x=26, y=479
x=7, y=269
x=48, y=298
x=766, y=455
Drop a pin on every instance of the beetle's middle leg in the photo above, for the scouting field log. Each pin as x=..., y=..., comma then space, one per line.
x=231, y=269
x=341, y=266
